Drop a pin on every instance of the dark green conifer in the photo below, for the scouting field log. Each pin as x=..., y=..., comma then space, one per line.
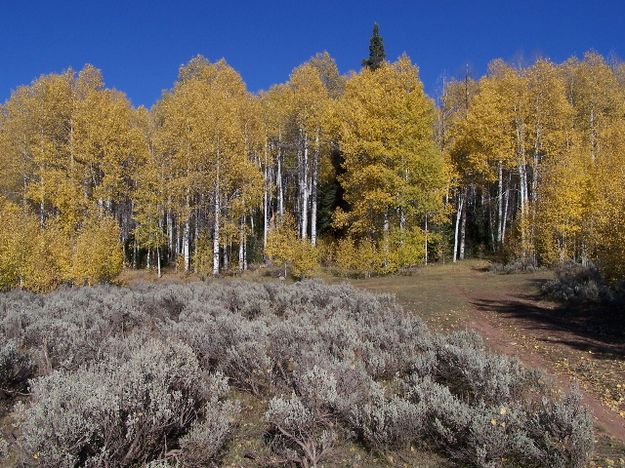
x=376, y=50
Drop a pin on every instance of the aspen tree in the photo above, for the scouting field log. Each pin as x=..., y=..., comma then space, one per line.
x=309, y=98
x=204, y=124
x=393, y=170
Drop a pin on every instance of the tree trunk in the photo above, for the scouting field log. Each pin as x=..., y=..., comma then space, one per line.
x=280, y=183
x=523, y=208
x=385, y=240
x=313, y=211
x=242, y=244
x=500, y=205
x=186, y=247
x=265, y=201
x=244, y=252
x=216, y=231
x=505, y=210
x=457, y=228
x=463, y=230
x=425, y=242
x=185, y=241
x=304, y=188
x=158, y=261
x=170, y=235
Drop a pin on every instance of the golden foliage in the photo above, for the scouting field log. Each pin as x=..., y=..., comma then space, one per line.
x=18, y=232
x=362, y=258
x=97, y=255
x=392, y=166
x=285, y=249
x=203, y=256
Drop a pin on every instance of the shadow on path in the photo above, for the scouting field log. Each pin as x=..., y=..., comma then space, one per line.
x=588, y=328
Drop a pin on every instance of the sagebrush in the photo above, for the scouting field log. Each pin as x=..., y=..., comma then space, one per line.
x=147, y=376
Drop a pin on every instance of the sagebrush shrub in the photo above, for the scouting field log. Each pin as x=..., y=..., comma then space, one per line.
x=15, y=369
x=515, y=265
x=203, y=443
x=120, y=411
x=4, y=448
x=298, y=433
x=385, y=424
x=161, y=464
x=461, y=363
x=585, y=284
x=560, y=433
x=475, y=434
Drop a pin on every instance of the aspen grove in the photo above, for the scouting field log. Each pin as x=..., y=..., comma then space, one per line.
x=363, y=173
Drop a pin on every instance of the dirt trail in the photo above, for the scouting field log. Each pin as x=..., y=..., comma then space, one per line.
x=488, y=322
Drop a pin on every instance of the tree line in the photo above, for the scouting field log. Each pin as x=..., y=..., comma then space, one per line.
x=538, y=159
x=363, y=172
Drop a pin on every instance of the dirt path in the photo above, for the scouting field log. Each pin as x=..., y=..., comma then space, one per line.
x=489, y=324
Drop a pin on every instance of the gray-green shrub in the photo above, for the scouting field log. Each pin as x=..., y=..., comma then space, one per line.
x=16, y=368
x=385, y=424
x=4, y=448
x=150, y=364
x=297, y=432
x=122, y=411
x=583, y=284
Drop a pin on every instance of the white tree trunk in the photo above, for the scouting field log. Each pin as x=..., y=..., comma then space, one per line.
x=158, y=261
x=457, y=228
x=385, y=240
x=265, y=201
x=425, y=242
x=170, y=234
x=505, y=212
x=313, y=210
x=523, y=187
x=216, y=231
x=178, y=239
x=304, y=189
x=280, y=183
x=242, y=244
x=500, y=204
x=463, y=231
x=185, y=243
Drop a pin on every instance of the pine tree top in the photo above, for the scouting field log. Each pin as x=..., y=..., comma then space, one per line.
x=376, y=50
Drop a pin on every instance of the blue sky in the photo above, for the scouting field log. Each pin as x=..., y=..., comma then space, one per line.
x=140, y=44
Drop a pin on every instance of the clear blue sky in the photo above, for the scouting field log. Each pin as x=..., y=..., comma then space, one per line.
x=139, y=44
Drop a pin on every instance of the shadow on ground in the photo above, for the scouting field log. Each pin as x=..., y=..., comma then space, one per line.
x=594, y=328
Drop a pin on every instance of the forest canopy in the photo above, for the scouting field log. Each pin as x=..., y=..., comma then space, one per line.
x=363, y=172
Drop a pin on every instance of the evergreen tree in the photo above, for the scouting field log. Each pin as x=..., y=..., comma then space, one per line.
x=376, y=50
